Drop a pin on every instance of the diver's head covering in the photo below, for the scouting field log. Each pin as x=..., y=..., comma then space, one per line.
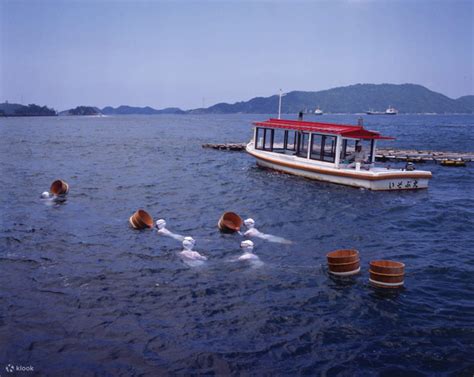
x=188, y=243
x=161, y=223
x=45, y=195
x=247, y=245
x=249, y=223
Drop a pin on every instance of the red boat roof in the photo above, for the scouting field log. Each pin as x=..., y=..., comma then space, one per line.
x=356, y=132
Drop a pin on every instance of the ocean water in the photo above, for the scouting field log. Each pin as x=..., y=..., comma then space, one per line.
x=83, y=294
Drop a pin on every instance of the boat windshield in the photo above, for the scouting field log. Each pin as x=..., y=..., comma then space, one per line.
x=277, y=140
x=349, y=145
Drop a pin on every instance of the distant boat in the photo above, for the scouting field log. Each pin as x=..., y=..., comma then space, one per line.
x=390, y=111
x=373, y=112
x=318, y=111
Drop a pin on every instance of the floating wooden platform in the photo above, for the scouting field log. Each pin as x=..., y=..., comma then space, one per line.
x=226, y=146
x=406, y=155
x=411, y=155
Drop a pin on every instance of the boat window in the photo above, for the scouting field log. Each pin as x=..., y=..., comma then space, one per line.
x=264, y=139
x=323, y=148
x=290, y=138
x=268, y=139
x=348, y=147
x=316, y=142
x=343, y=150
x=302, y=144
x=284, y=141
x=259, y=138
x=329, y=148
x=279, y=140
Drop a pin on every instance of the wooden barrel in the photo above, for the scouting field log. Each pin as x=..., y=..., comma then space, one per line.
x=386, y=274
x=59, y=187
x=141, y=219
x=229, y=222
x=343, y=262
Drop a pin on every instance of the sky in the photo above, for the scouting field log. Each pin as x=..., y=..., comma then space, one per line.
x=190, y=54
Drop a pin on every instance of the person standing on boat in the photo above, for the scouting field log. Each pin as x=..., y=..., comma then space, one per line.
x=359, y=156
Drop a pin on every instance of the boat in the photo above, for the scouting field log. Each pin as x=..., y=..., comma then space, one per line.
x=321, y=151
x=391, y=111
x=318, y=111
x=451, y=162
x=373, y=112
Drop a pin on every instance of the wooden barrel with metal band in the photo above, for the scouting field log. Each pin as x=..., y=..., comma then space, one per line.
x=386, y=274
x=344, y=262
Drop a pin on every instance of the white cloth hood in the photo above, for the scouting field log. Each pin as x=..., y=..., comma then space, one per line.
x=247, y=245
x=160, y=224
x=249, y=223
x=188, y=243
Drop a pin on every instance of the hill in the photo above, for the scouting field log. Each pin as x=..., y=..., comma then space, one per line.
x=407, y=98
x=467, y=101
x=17, y=110
x=82, y=110
x=131, y=110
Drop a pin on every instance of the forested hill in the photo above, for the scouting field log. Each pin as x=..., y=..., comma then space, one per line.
x=133, y=110
x=82, y=110
x=407, y=98
x=17, y=110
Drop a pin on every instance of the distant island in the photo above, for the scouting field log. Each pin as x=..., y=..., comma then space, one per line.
x=359, y=98
x=82, y=110
x=17, y=110
x=130, y=110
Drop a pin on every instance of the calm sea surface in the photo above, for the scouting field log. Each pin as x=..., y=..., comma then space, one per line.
x=83, y=294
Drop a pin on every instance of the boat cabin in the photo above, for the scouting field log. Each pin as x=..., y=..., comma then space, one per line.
x=326, y=143
x=324, y=151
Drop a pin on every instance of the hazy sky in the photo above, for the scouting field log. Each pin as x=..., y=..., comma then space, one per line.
x=183, y=53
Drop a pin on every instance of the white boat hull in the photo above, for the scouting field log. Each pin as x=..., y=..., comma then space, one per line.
x=373, y=179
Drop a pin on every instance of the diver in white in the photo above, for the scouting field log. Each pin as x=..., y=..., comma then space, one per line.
x=51, y=199
x=248, y=256
x=247, y=247
x=45, y=195
x=189, y=256
x=161, y=225
x=254, y=232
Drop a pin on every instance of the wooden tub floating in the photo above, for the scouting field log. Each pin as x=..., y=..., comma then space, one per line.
x=344, y=262
x=229, y=222
x=59, y=188
x=141, y=219
x=386, y=274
